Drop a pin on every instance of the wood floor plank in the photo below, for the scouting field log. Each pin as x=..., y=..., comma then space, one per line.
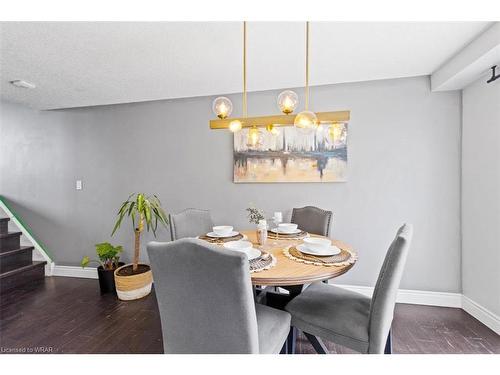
x=68, y=315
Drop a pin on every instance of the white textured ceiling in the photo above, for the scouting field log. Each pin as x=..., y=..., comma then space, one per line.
x=97, y=63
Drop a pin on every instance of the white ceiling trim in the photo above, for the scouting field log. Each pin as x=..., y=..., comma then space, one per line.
x=470, y=63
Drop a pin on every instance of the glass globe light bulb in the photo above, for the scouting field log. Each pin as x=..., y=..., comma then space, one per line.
x=235, y=126
x=306, y=122
x=254, y=137
x=222, y=107
x=272, y=129
x=287, y=101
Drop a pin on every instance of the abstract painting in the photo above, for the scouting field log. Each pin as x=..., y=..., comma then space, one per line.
x=288, y=155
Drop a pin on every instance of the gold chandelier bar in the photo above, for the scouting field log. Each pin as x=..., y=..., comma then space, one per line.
x=280, y=120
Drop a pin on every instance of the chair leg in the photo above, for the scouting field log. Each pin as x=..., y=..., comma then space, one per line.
x=291, y=340
x=284, y=349
x=317, y=343
x=388, y=343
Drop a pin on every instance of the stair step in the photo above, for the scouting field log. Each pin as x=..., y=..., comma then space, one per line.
x=4, y=225
x=12, y=259
x=33, y=272
x=9, y=234
x=10, y=241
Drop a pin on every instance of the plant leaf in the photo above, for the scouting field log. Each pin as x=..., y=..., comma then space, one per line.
x=131, y=207
x=117, y=225
x=147, y=208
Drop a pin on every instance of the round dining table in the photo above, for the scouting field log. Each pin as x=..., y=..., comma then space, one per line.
x=288, y=272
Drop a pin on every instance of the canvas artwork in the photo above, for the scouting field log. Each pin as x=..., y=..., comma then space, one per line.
x=291, y=156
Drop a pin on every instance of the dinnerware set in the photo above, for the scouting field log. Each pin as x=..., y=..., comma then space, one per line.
x=311, y=245
x=318, y=246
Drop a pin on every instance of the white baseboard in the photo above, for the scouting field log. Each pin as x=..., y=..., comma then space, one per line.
x=442, y=299
x=424, y=297
x=72, y=271
x=416, y=297
x=482, y=314
x=49, y=268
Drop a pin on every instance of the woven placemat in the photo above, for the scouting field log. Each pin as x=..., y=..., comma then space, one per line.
x=262, y=263
x=283, y=236
x=217, y=240
x=344, y=258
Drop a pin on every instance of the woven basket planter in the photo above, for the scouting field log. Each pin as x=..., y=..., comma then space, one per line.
x=134, y=286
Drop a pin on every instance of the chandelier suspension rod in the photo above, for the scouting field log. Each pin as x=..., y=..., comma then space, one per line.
x=245, y=113
x=307, y=66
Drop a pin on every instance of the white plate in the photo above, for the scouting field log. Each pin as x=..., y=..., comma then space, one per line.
x=332, y=250
x=277, y=230
x=251, y=253
x=254, y=254
x=214, y=235
x=244, y=238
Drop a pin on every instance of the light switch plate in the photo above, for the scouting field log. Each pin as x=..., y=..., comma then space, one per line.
x=79, y=185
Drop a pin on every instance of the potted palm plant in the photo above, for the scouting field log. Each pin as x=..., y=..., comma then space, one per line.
x=133, y=281
x=109, y=261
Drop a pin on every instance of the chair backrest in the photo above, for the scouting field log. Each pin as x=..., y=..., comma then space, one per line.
x=205, y=298
x=386, y=289
x=191, y=222
x=313, y=220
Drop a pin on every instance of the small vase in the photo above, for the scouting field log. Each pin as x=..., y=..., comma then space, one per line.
x=262, y=232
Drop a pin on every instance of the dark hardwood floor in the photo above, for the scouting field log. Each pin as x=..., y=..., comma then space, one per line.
x=68, y=315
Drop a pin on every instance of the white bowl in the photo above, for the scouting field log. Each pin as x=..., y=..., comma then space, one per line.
x=317, y=244
x=222, y=230
x=287, y=227
x=243, y=246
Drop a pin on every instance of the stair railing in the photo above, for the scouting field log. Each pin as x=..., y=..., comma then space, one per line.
x=26, y=231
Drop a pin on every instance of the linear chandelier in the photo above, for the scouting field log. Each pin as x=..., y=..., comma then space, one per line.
x=307, y=122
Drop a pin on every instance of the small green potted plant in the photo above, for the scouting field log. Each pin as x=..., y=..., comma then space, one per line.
x=134, y=281
x=108, y=260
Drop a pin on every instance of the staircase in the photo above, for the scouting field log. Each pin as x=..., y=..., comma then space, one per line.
x=16, y=265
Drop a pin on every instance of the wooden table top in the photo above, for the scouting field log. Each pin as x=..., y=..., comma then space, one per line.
x=290, y=272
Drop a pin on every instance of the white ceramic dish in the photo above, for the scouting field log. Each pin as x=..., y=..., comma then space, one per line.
x=215, y=235
x=238, y=245
x=277, y=230
x=222, y=230
x=318, y=244
x=287, y=227
x=332, y=250
x=254, y=254
x=244, y=247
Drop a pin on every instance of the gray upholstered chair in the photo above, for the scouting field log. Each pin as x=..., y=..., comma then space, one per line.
x=190, y=223
x=312, y=220
x=206, y=301
x=352, y=319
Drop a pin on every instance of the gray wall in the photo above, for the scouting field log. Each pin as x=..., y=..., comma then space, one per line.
x=481, y=194
x=404, y=166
